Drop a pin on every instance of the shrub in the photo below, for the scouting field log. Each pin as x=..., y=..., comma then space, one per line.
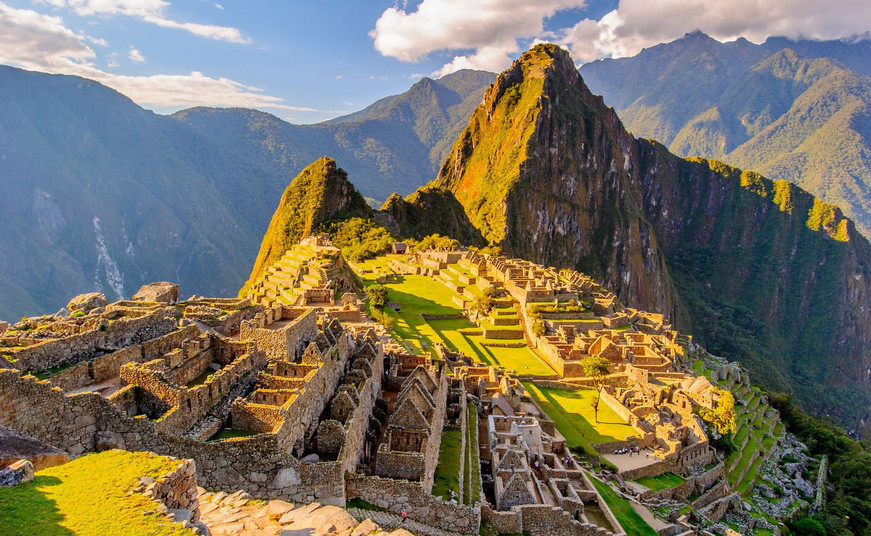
x=360, y=239
x=378, y=296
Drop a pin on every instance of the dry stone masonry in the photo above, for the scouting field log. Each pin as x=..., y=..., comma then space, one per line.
x=292, y=394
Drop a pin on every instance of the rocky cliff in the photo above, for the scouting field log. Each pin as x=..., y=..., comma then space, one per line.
x=319, y=193
x=758, y=270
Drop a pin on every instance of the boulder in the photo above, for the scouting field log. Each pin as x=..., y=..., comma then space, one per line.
x=19, y=472
x=14, y=447
x=365, y=528
x=322, y=521
x=163, y=292
x=86, y=302
x=105, y=440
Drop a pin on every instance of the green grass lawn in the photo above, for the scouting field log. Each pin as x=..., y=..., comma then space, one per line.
x=661, y=482
x=418, y=294
x=231, y=433
x=628, y=518
x=572, y=412
x=363, y=505
x=473, y=463
x=88, y=497
x=447, y=472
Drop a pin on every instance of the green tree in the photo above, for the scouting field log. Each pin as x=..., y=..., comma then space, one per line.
x=483, y=304
x=596, y=367
x=721, y=417
x=378, y=297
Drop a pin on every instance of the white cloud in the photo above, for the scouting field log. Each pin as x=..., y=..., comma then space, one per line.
x=152, y=11
x=219, y=6
x=136, y=56
x=44, y=43
x=484, y=34
x=637, y=24
x=490, y=28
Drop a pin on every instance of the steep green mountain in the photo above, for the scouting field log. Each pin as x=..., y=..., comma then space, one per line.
x=319, y=193
x=757, y=270
x=99, y=194
x=763, y=107
x=393, y=145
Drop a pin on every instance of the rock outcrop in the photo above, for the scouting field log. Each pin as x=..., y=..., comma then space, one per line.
x=162, y=292
x=15, y=446
x=87, y=302
x=19, y=472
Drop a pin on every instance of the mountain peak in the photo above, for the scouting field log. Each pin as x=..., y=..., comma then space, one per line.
x=319, y=193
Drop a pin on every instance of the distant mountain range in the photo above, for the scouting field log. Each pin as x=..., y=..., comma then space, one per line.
x=100, y=194
x=794, y=110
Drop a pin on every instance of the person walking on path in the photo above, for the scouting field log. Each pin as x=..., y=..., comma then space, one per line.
x=404, y=515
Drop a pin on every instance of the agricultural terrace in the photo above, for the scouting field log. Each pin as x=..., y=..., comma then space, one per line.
x=418, y=294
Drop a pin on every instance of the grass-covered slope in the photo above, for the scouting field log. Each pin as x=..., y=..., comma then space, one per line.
x=320, y=192
x=88, y=497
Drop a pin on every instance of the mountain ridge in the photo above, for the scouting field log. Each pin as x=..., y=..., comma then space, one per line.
x=758, y=270
x=781, y=108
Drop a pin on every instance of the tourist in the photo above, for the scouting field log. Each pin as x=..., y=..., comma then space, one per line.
x=404, y=515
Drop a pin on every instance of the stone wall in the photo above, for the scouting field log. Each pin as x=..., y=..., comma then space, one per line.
x=177, y=489
x=262, y=465
x=283, y=343
x=191, y=404
x=433, y=446
x=398, y=495
x=110, y=334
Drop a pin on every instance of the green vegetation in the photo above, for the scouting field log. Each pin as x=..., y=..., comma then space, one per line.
x=573, y=415
x=848, y=497
x=596, y=367
x=485, y=162
x=435, y=242
x=377, y=296
x=537, y=309
x=447, y=472
x=231, y=433
x=661, y=482
x=418, y=295
x=359, y=238
x=804, y=126
x=723, y=416
x=363, y=505
x=628, y=518
x=319, y=193
x=88, y=497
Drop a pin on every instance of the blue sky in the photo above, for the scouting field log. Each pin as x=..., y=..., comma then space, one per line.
x=308, y=61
